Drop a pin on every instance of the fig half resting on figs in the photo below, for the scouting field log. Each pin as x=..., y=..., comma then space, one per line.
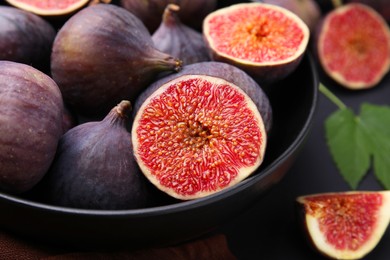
x=25, y=38
x=345, y=225
x=353, y=46
x=103, y=54
x=179, y=40
x=95, y=168
x=198, y=131
x=266, y=41
x=58, y=7
x=31, y=112
x=150, y=12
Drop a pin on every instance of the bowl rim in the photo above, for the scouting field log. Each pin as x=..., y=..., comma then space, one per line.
x=190, y=204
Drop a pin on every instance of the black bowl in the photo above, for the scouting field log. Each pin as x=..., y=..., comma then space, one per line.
x=293, y=100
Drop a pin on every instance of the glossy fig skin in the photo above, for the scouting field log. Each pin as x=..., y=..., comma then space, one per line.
x=31, y=111
x=224, y=71
x=179, y=40
x=25, y=38
x=94, y=167
x=150, y=11
x=102, y=55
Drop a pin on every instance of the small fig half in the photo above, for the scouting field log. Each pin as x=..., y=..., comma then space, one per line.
x=197, y=134
x=345, y=225
x=94, y=167
x=46, y=8
x=179, y=40
x=353, y=46
x=266, y=41
x=102, y=55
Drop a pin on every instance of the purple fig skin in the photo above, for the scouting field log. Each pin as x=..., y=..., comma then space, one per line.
x=94, y=167
x=308, y=10
x=224, y=71
x=102, y=55
x=150, y=11
x=31, y=111
x=179, y=40
x=25, y=38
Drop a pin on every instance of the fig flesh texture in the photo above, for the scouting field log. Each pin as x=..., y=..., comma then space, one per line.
x=150, y=12
x=197, y=134
x=381, y=6
x=49, y=8
x=308, y=10
x=95, y=168
x=353, y=46
x=345, y=225
x=266, y=41
x=31, y=111
x=25, y=38
x=179, y=40
x=103, y=54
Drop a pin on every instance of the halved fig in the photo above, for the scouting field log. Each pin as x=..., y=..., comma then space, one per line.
x=58, y=7
x=197, y=134
x=345, y=225
x=353, y=46
x=266, y=41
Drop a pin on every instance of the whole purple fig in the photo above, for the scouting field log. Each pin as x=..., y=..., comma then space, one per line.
x=25, y=38
x=31, y=112
x=150, y=12
x=102, y=55
x=179, y=40
x=95, y=168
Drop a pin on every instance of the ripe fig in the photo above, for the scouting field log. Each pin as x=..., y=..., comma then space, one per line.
x=266, y=41
x=31, y=112
x=46, y=8
x=150, y=12
x=308, y=10
x=102, y=55
x=345, y=225
x=353, y=46
x=25, y=38
x=94, y=167
x=179, y=40
x=198, y=131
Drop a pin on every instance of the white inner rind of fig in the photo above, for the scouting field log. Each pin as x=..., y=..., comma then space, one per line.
x=197, y=135
x=48, y=7
x=256, y=34
x=354, y=46
x=374, y=233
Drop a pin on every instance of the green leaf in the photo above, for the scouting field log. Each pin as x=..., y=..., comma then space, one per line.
x=376, y=122
x=348, y=145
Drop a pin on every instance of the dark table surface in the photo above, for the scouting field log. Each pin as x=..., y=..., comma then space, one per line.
x=270, y=230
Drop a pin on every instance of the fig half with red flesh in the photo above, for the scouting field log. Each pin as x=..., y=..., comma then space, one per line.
x=346, y=225
x=266, y=41
x=58, y=7
x=197, y=134
x=353, y=46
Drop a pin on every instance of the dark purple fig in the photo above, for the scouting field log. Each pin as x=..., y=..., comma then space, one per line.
x=25, y=38
x=150, y=11
x=94, y=167
x=222, y=71
x=31, y=111
x=179, y=40
x=102, y=55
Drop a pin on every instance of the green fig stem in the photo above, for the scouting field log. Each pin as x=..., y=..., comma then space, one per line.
x=337, y=3
x=332, y=97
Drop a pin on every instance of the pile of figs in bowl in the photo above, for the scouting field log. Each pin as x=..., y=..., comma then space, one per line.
x=128, y=133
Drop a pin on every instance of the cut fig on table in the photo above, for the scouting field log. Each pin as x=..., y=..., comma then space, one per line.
x=266, y=41
x=353, y=46
x=345, y=225
x=201, y=130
